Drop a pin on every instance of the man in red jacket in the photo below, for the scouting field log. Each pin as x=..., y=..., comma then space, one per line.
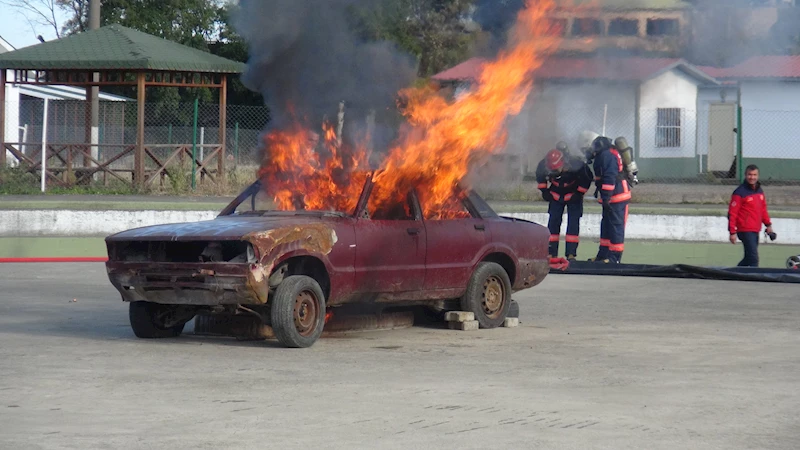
x=746, y=213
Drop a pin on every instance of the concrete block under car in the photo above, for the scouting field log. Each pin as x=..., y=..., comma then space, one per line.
x=511, y=322
x=459, y=316
x=470, y=325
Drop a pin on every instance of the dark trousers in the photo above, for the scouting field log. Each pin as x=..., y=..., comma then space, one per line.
x=750, y=241
x=574, y=214
x=612, y=232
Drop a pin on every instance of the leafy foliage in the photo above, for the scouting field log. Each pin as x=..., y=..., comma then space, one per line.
x=438, y=32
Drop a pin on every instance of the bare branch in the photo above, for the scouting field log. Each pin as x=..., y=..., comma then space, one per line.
x=42, y=12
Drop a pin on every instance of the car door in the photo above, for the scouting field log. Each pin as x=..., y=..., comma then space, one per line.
x=454, y=246
x=390, y=249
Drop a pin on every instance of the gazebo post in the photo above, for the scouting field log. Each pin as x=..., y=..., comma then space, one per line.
x=223, y=118
x=138, y=158
x=2, y=118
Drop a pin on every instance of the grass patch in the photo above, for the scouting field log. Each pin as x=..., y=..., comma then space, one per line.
x=721, y=211
x=177, y=181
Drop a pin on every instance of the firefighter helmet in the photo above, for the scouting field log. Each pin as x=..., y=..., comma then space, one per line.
x=601, y=144
x=793, y=262
x=562, y=146
x=554, y=160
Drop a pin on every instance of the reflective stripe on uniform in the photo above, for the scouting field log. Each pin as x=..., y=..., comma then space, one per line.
x=617, y=247
x=582, y=190
x=573, y=239
x=605, y=242
x=542, y=185
x=553, y=238
x=556, y=195
x=608, y=187
x=567, y=197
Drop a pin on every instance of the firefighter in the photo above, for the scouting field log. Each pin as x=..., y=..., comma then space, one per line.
x=615, y=195
x=563, y=181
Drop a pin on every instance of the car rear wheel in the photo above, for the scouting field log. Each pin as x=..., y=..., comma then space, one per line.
x=298, y=311
x=488, y=295
x=153, y=320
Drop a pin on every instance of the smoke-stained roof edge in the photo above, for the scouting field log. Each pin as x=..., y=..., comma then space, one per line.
x=578, y=69
x=115, y=47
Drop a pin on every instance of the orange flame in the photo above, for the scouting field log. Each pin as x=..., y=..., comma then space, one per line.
x=436, y=149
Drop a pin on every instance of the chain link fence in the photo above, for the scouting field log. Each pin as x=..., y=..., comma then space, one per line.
x=166, y=128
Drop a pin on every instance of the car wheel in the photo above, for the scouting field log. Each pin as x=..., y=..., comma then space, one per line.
x=149, y=320
x=488, y=295
x=298, y=311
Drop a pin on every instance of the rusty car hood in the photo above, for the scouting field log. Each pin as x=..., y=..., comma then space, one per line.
x=220, y=228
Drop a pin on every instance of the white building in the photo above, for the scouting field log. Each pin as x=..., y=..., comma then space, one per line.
x=650, y=101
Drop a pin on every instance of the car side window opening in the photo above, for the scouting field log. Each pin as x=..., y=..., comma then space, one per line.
x=454, y=209
x=398, y=210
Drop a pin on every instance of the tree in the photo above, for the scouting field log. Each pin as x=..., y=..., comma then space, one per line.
x=437, y=32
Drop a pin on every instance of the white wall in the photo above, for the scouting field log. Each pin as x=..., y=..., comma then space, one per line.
x=673, y=89
x=38, y=223
x=770, y=119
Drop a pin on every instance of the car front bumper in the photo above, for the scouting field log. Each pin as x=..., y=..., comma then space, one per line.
x=189, y=283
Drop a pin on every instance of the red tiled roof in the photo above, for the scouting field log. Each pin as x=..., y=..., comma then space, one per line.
x=619, y=69
x=772, y=66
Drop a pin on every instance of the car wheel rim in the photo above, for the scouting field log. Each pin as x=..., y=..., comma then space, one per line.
x=493, y=297
x=306, y=313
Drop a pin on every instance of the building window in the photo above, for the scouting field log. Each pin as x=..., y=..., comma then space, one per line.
x=623, y=27
x=668, y=127
x=663, y=27
x=587, y=27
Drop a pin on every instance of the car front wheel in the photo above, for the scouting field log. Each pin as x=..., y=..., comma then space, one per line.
x=153, y=320
x=488, y=295
x=298, y=311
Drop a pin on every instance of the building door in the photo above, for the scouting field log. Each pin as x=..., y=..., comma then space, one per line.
x=721, y=136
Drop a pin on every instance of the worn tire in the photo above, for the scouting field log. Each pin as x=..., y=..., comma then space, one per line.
x=143, y=323
x=488, y=278
x=298, y=311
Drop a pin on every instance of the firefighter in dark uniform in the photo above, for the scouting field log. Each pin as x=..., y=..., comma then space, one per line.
x=615, y=195
x=563, y=180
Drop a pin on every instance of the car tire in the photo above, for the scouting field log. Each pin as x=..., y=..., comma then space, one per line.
x=144, y=322
x=488, y=295
x=298, y=311
x=513, y=309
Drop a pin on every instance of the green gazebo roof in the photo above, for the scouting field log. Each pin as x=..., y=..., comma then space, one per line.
x=115, y=47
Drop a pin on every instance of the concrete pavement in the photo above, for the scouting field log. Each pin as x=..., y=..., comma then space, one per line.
x=650, y=363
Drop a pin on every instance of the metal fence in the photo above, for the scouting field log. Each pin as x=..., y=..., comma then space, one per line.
x=166, y=126
x=671, y=145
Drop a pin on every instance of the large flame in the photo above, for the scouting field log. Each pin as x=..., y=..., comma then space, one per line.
x=439, y=145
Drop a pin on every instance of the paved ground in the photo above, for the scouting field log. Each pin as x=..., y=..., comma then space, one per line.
x=657, y=364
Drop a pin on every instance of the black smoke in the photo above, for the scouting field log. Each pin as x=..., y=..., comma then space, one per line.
x=304, y=57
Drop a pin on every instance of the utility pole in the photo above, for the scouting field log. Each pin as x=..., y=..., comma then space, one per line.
x=94, y=91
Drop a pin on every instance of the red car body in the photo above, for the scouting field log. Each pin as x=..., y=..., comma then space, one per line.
x=241, y=257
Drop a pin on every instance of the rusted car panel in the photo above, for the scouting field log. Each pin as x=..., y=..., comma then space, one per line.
x=240, y=257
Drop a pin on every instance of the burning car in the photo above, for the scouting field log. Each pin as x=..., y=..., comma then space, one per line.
x=292, y=268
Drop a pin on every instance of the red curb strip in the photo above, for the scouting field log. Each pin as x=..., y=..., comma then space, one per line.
x=54, y=260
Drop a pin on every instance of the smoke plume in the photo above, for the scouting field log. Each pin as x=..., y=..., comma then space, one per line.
x=305, y=59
